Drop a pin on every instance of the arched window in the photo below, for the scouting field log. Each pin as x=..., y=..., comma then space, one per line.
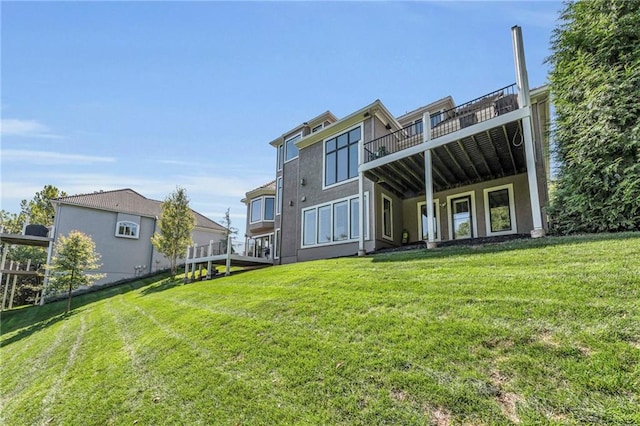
x=127, y=229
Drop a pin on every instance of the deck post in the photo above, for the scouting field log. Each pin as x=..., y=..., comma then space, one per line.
x=186, y=266
x=45, y=282
x=6, y=286
x=4, y=260
x=524, y=101
x=228, y=264
x=428, y=181
x=362, y=213
x=209, y=254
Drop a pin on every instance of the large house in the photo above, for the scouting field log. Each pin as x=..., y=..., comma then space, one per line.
x=442, y=172
x=121, y=224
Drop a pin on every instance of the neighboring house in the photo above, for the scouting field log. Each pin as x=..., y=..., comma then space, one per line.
x=261, y=212
x=363, y=183
x=121, y=224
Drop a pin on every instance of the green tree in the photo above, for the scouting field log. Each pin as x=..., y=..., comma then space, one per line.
x=39, y=209
x=12, y=223
x=176, y=224
x=595, y=87
x=229, y=230
x=74, y=255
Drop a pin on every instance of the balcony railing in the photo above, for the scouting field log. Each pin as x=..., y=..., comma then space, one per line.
x=481, y=109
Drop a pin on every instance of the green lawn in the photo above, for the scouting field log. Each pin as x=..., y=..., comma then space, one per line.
x=536, y=332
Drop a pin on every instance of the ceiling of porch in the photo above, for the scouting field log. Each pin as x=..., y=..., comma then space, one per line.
x=489, y=155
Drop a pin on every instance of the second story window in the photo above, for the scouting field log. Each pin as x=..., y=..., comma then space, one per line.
x=290, y=148
x=341, y=157
x=127, y=229
x=280, y=156
x=262, y=209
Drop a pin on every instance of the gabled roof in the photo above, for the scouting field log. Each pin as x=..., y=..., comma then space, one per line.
x=268, y=188
x=128, y=201
x=325, y=116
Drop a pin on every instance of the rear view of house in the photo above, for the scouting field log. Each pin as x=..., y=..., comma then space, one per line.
x=442, y=172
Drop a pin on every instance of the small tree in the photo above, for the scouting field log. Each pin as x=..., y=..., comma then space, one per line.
x=176, y=224
x=74, y=255
x=229, y=230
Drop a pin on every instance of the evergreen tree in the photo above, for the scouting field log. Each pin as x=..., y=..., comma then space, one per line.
x=74, y=255
x=176, y=224
x=40, y=210
x=595, y=87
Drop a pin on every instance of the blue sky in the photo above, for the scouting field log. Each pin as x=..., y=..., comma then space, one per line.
x=154, y=95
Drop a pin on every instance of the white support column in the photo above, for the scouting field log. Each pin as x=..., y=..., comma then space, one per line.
x=362, y=214
x=5, y=247
x=45, y=281
x=209, y=254
x=524, y=101
x=228, y=264
x=186, y=266
x=428, y=181
x=6, y=286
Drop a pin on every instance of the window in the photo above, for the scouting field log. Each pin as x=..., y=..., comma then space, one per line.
x=262, y=209
x=280, y=156
x=500, y=210
x=423, y=224
x=341, y=157
x=387, y=217
x=276, y=245
x=317, y=128
x=279, y=195
x=461, y=218
x=417, y=127
x=127, y=229
x=291, y=150
x=268, y=208
x=256, y=210
x=309, y=227
x=436, y=118
x=335, y=222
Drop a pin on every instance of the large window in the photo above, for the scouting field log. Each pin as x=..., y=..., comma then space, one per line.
x=500, y=210
x=278, y=195
x=341, y=157
x=338, y=221
x=387, y=217
x=262, y=209
x=127, y=229
x=291, y=150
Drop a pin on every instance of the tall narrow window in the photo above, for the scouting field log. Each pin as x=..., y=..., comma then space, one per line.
x=276, y=245
x=500, y=210
x=423, y=225
x=256, y=210
x=268, y=208
x=355, y=218
x=341, y=157
x=279, y=195
x=309, y=227
x=291, y=150
x=387, y=217
x=324, y=224
x=280, y=156
x=341, y=221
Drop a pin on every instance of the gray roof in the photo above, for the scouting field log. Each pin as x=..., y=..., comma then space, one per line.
x=129, y=201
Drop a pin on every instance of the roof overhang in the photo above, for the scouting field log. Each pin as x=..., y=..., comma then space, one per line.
x=320, y=119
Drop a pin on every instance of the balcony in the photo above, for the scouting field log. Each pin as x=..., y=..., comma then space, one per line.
x=481, y=109
x=477, y=141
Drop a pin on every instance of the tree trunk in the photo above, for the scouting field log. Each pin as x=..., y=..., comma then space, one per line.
x=70, y=288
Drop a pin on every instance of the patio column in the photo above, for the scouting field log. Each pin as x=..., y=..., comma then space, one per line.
x=45, y=281
x=428, y=181
x=524, y=101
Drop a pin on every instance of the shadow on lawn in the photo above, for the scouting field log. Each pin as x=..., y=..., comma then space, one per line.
x=33, y=318
x=471, y=247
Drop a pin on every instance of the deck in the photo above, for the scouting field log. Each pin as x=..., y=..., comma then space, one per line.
x=218, y=254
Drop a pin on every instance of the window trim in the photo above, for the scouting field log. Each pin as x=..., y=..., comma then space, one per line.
x=277, y=236
x=385, y=236
x=512, y=210
x=331, y=205
x=436, y=202
x=285, y=147
x=136, y=226
x=263, y=206
x=324, y=156
x=280, y=157
x=474, y=221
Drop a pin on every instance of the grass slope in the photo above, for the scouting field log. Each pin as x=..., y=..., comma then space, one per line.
x=531, y=332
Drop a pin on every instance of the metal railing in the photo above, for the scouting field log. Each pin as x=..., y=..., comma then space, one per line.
x=476, y=111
